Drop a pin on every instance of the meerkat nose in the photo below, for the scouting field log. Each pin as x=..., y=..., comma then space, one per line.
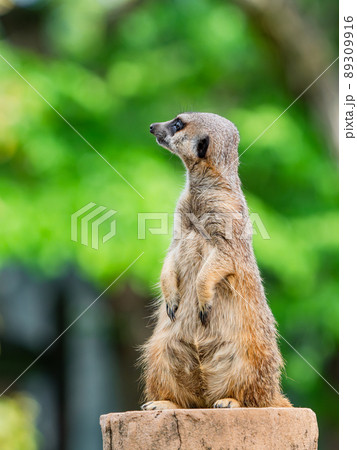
x=152, y=128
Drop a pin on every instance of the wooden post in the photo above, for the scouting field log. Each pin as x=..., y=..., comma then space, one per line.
x=214, y=429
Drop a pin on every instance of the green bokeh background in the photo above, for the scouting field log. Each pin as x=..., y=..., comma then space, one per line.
x=110, y=81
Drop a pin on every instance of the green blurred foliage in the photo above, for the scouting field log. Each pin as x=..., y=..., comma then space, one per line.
x=17, y=427
x=110, y=82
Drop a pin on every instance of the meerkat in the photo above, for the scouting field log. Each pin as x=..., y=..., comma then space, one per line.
x=215, y=339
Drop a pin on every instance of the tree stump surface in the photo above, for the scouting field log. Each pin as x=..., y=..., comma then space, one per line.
x=211, y=429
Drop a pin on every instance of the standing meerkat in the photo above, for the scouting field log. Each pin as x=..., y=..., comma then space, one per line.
x=215, y=341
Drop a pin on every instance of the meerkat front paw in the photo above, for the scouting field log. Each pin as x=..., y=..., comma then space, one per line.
x=204, y=313
x=172, y=306
x=226, y=403
x=159, y=405
x=205, y=295
x=171, y=311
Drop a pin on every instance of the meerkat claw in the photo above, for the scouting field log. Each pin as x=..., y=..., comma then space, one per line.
x=203, y=315
x=226, y=403
x=171, y=312
x=147, y=406
x=159, y=405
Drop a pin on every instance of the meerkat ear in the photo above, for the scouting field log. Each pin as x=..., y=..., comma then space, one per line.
x=202, y=146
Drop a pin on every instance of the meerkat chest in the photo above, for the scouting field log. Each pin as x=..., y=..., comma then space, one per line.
x=191, y=250
x=192, y=242
x=190, y=254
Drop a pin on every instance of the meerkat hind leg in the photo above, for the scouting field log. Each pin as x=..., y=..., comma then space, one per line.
x=159, y=405
x=226, y=403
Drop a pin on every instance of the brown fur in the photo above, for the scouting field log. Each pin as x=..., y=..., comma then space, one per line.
x=220, y=348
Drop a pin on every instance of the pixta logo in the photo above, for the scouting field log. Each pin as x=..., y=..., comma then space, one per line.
x=88, y=221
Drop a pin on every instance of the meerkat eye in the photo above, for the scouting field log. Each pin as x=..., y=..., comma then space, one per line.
x=177, y=125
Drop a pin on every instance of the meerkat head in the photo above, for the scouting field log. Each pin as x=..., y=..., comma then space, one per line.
x=200, y=140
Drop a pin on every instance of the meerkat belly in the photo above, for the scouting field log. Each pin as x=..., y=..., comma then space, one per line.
x=191, y=254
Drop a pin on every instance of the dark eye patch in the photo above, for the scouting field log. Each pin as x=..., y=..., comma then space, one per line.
x=176, y=125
